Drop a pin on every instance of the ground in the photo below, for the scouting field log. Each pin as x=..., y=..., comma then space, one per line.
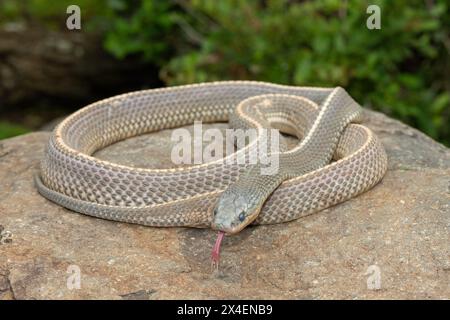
x=390, y=242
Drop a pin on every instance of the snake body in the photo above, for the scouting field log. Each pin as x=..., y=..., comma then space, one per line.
x=322, y=117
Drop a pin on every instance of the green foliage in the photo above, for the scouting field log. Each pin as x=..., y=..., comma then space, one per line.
x=143, y=28
x=51, y=13
x=9, y=10
x=10, y=130
x=401, y=69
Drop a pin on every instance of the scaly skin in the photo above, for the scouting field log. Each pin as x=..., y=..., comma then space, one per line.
x=241, y=202
x=186, y=196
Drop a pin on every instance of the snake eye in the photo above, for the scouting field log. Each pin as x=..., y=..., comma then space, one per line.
x=215, y=212
x=242, y=216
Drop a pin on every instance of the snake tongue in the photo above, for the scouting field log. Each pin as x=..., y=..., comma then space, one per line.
x=215, y=255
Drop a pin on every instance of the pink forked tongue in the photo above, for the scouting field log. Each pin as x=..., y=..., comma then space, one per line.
x=215, y=255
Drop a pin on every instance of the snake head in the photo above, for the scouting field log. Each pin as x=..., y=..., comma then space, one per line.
x=234, y=211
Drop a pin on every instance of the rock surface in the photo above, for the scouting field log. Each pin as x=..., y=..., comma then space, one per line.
x=399, y=231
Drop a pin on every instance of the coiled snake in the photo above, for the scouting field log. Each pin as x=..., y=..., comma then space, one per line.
x=306, y=180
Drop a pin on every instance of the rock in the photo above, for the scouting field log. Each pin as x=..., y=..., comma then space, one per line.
x=399, y=231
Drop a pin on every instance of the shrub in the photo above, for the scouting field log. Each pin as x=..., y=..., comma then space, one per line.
x=401, y=69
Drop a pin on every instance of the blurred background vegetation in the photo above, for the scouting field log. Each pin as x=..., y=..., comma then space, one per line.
x=401, y=70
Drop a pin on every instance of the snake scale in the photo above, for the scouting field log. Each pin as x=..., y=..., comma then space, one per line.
x=335, y=160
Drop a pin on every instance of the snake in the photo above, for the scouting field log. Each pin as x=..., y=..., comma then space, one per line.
x=336, y=158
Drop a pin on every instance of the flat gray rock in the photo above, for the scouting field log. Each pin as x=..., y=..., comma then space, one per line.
x=390, y=242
